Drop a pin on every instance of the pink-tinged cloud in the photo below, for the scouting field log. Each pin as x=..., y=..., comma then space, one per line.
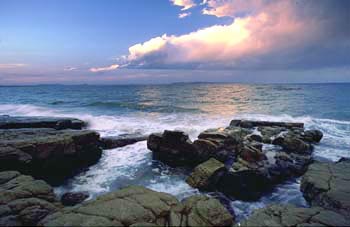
x=270, y=28
x=12, y=66
x=70, y=69
x=185, y=4
x=104, y=69
x=183, y=15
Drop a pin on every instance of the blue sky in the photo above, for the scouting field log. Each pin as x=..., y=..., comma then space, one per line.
x=86, y=41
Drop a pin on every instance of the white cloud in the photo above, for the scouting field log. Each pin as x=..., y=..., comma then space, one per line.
x=183, y=15
x=104, y=69
x=185, y=4
x=12, y=65
x=70, y=68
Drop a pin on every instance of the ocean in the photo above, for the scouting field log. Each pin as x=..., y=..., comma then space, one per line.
x=191, y=107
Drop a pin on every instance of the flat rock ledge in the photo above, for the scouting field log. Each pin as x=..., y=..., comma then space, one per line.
x=23, y=200
x=49, y=154
x=138, y=206
x=256, y=155
x=288, y=215
x=13, y=122
x=328, y=185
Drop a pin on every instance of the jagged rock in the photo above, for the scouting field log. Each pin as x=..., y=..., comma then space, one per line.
x=120, y=141
x=291, y=143
x=23, y=200
x=252, y=124
x=312, y=136
x=251, y=154
x=205, y=175
x=73, y=198
x=49, y=154
x=8, y=122
x=328, y=185
x=135, y=205
x=288, y=215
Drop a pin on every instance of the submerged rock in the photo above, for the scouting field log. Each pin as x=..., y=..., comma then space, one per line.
x=138, y=206
x=288, y=215
x=74, y=198
x=23, y=200
x=112, y=142
x=49, y=154
x=8, y=122
x=328, y=185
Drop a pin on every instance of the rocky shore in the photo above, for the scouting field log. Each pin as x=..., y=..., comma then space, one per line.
x=243, y=161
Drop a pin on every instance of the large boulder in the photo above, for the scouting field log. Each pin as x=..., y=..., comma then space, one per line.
x=288, y=215
x=49, y=154
x=138, y=206
x=111, y=142
x=252, y=124
x=328, y=185
x=73, y=198
x=8, y=122
x=205, y=175
x=23, y=200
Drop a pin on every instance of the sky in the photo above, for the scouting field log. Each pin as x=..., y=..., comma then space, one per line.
x=165, y=41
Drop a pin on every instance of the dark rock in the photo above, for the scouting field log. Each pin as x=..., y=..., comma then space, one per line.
x=288, y=215
x=7, y=122
x=255, y=137
x=251, y=154
x=74, y=198
x=312, y=136
x=251, y=124
x=134, y=206
x=23, y=200
x=293, y=144
x=49, y=154
x=120, y=141
x=328, y=185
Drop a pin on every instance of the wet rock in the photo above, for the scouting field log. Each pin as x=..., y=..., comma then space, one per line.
x=251, y=154
x=23, y=200
x=288, y=215
x=206, y=175
x=293, y=144
x=312, y=136
x=74, y=198
x=252, y=124
x=112, y=142
x=49, y=154
x=8, y=122
x=328, y=185
x=135, y=205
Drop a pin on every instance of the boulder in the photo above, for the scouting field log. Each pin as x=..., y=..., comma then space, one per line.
x=312, y=136
x=252, y=124
x=328, y=185
x=8, y=122
x=23, y=200
x=112, y=142
x=205, y=175
x=293, y=144
x=138, y=206
x=49, y=154
x=289, y=215
x=73, y=198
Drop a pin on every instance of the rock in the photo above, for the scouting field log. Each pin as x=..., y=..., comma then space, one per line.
x=7, y=122
x=49, y=154
x=74, y=198
x=112, y=142
x=312, y=136
x=252, y=124
x=205, y=175
x=293, y=144
x=23, y=200
x=251, y=154
x=288, y=215
x=135, y=206
x=328, y=185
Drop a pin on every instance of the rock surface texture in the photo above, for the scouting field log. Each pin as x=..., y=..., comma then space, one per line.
x=138, y=206
x=328, y=185
x=49, y=154
x=112, y=142
x=23, y=200
x=288, y=215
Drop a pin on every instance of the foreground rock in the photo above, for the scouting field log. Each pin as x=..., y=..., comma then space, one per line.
x=74, y=198
x=251, y=168
x=23, y=200
x=112, y=142
x=138, y=206
x=328, y=185
x=8, y=122
x=49, y=154
x=288, y=215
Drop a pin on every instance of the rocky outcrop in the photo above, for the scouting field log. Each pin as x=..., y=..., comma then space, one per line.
x=23, y=200
x=288, y=215
x=328, y=185
x=73, y=198
x=8, y=122
x=138, y=206
x=252, y=124
x=49, y=154
x=112, y=142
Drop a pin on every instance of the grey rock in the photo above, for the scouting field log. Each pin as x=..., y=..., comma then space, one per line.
x=120, y=141
x=73, y=198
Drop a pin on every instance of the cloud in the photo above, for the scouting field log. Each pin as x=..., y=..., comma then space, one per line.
x=11, y=66
x=104, y=69
x=263, y=34
x=185, y=4
x=70, y=68
x=183, y=15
